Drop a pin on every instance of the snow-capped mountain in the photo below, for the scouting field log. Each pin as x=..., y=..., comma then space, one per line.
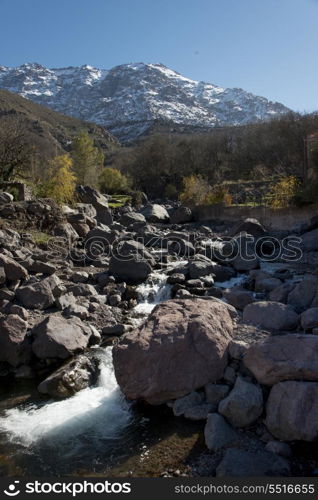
x=127, y=99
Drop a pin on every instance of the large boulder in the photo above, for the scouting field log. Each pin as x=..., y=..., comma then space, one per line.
x=292, y=411
x=3, y=277
x=284, y=357
x=99, y=202
x=131, y=262
x=57, y=337
x=40, y=295
x=249, y=226
x=129, y=218
x=13, y=270
x=181, y=215
x=280, y=294
x=241, y=463
x=14, y=347
x=242, y=252
x=5, y=197
x=238, y=298
x=181, y=347
x=303, y=294
x=155, y=213
x=218, y=433
x=309, y=318
x=200, y=268
x=73, y=376
x=271, y=315
x=243, y=405
x=65, y=231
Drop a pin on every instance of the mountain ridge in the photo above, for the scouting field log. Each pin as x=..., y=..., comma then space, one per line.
x=128, y=98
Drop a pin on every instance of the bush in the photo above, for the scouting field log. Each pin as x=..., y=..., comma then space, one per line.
x=112, y=181
x=171, y=192
x=197, y=191
x=61, y=183
x=284, y=193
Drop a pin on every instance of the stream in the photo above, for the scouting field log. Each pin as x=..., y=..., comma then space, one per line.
x=96, y=431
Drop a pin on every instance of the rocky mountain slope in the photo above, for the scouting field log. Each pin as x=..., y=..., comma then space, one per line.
x=128, y=98
x=48, y=131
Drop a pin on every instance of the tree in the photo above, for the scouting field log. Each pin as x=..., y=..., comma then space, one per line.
x=112, y=181
x=87, y=159
x=15, y=152
x=61, y=183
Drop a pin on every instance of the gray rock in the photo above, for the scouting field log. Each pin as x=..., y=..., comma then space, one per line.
x=199, y=412
x=66, y=231
x=229, y=375
x=77, y=311
x=14, y=346
x=114, y=300
x=218, y=434
x=153, y=362
x=243, y=405
x=83, y=290
x=57, y=337
x=280, y=294
x=20, y=311
x=266, y=285
x=238, y=298
x=3, y=277
x=39, y=295
x=238, y=349
x=176, y=278
x=65, y=300
x=189, y=401
x=303, y=294
x=271, y=315
x=80, y=277
x=5, y=197
x=223, y=273
x=155, y=213
x=282, y=449
x=181, y=215
x=37, y=266
x=284, y=357
x=129, y=218
x=250, y=226
x=309, y=318
x=214, y=393
x=240, y=463
x=99, y=202
x=13, y=270
x=198, y=269
x=292, y=411
x=310, y=241
x=117, y=330
x=73, y=376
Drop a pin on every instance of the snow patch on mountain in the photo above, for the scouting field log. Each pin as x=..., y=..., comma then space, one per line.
x=128, y=98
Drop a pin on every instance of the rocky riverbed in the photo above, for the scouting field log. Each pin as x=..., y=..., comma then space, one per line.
x=139, y=342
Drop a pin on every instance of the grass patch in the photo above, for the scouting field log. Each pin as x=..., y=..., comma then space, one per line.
x=119, y=200
x=38, y=237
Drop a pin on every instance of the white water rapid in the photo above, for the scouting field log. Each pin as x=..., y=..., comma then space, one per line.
x=98, y=413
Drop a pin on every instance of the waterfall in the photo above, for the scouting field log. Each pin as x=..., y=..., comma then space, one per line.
x=98, y=413
x=155, y=289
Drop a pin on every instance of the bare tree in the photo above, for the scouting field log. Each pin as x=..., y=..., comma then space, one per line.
x=15, y=151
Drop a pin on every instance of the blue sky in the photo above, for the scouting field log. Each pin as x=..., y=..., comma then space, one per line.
x=268, y=47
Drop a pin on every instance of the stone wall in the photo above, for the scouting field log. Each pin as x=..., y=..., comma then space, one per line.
x=290, y=218
x=24, y=192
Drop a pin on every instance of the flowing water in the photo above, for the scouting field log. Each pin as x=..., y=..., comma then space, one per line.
x=97, y=429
